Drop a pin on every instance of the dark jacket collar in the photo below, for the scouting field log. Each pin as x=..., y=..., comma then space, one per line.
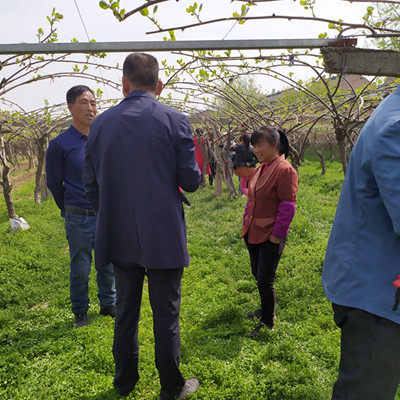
x=139, y=93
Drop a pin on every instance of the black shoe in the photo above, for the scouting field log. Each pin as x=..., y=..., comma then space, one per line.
x=109, y=310
x=262, y=325
x=254, y=314
x=124, y=392
x=81, y=319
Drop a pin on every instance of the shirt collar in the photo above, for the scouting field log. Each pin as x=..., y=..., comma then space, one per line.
x=77, y=133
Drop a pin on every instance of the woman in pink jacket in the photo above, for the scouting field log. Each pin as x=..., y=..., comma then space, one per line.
x=269, y=212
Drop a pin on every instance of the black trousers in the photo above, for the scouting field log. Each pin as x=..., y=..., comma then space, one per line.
x=264, y=260
x=165, y=298
x=370, y=356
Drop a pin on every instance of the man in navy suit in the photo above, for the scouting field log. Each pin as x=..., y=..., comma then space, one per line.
x=137, y=156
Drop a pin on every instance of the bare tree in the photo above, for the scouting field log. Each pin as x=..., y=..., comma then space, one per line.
x=7, y=134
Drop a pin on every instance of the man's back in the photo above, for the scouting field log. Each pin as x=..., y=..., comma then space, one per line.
x=144, y=152
x=362, y=257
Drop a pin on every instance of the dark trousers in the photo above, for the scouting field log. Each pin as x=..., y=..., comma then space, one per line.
x=264, y=260
x=370, y=356
x=165, y=298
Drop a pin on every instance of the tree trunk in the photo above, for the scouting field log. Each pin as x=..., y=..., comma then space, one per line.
x=340, y=139
x=219, y=172
x=295, y=159
x=322, y=161
x=7, y=192
x=229, y=182
x=31, y=159
x=38, y=175
x=6, y=182
x=218, y=183
x=203, y=176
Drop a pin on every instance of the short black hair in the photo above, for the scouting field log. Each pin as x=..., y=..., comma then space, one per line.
x=141, y=69
x=76, y=91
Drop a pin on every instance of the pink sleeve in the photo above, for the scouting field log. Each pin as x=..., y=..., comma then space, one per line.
x=245, y=211
x=286, y=210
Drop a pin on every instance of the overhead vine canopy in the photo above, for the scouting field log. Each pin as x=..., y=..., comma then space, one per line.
x=371, y=25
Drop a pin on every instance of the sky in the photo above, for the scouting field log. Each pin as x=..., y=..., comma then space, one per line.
x=20, y=20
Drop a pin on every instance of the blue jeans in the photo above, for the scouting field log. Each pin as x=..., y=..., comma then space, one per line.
x=80, y=231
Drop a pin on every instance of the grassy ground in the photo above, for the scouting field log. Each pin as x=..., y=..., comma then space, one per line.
x=43, y=357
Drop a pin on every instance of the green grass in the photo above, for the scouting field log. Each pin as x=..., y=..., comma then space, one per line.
x=43, y=357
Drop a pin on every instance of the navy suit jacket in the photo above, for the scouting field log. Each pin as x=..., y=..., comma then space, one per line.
x=138, y=154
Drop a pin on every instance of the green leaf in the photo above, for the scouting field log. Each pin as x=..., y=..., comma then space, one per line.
x=172, y=35
x=144, y=12
x=104, y=5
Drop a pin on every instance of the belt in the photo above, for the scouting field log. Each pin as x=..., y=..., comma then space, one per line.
x=79, y=211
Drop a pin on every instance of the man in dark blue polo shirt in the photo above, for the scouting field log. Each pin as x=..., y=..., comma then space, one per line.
x=64, y=163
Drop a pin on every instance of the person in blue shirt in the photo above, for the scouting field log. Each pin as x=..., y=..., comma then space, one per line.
x=363, y=260
x=64, y=164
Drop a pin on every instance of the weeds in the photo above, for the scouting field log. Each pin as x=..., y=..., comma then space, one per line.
x=43, y=357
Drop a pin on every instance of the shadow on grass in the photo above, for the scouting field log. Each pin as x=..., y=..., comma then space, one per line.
x=42, y=337
x=219, y=335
